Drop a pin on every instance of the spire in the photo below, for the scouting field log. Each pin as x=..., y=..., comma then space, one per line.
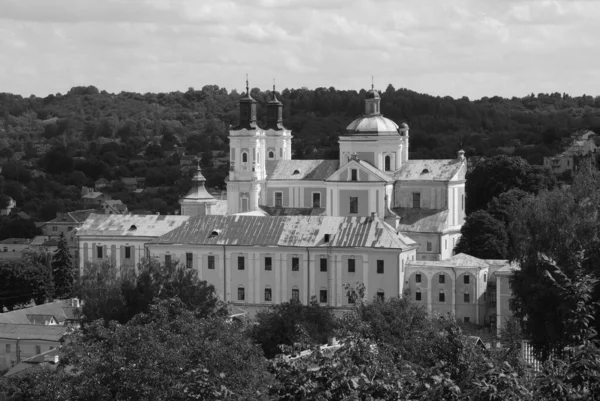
x=274, y=112
x=247, y=110
x=372, y=100
x=372, y=84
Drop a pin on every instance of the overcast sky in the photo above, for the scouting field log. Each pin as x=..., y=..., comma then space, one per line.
x=459, y=48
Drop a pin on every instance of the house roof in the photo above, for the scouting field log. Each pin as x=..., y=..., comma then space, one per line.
x=32, y=362
x=93, y=195
x=422, y=220
x=75, y=217
x=129, y=180
x=428, y=170
x=293, y=211
x=40, y=319
x=461, y=260
x=131, y=225
x=61, y=310
x=101, y=181
x=22, y=241
x=32, y=331
x=317, y=170
x=293, y=231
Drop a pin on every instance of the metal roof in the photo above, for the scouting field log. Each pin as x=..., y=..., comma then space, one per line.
x=422, y=220
x=373, y=125
x=131, y=225
x=293, y=211
x=61, y=310
x=429, y=170
x=461, y=260
x=301, y=169
x=293, y=231
x=32, y=331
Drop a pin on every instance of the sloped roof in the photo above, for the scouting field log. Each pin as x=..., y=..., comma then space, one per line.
x=317, y=170
x=92, y=195
x=293, y=231
x=293, y=211
x=61, y=310
x=461, y=260
x=429, y=170
x=131, y=225
x=34, y=361
x=22, y=241
x=367, y=166
x=32, y=331
x=422, y=220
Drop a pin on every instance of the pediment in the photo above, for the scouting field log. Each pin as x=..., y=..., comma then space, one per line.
x=365, y=172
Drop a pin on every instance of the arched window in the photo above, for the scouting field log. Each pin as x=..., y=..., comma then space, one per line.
x=271, y=154
x=244, y=157
x=268, y=294
x=241, y=293
x=388, y=163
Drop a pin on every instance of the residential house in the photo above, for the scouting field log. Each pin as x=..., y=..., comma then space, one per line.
x=115, y=206
x=131, y=183
x=9, y=207
x=582, y=146
x=67, y=224
x=48, y=358
x=12, y=248
x=101, y=183
x=94, y=199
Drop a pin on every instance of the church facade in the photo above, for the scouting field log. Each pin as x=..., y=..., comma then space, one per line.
x=423, y=199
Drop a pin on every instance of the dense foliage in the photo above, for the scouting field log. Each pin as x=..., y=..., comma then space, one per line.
x=53, y=146
x=62, y=269
x=24, y=281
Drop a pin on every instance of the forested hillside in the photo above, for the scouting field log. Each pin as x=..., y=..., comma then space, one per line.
x=51, y=147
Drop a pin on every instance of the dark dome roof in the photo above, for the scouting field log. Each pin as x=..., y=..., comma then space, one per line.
x=373, y=94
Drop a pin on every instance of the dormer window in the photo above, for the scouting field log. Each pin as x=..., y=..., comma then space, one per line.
x=215, y=233
x=133, y=227
x=296, y=172
x=425, y=171
x=326, y=238
x=354, y=174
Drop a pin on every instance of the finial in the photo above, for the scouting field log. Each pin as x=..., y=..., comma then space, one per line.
x=372, y=83
x=247, y=87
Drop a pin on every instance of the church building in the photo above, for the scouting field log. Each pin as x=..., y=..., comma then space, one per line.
x=423, y=199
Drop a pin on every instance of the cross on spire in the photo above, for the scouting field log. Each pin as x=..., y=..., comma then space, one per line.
x=247, y=87
x=372, y=83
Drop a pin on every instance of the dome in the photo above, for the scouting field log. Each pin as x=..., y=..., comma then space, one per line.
x=404, y=125
x=372, y=125
x=373, y=94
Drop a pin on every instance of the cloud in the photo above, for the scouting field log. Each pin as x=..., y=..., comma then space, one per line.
x=464, y=47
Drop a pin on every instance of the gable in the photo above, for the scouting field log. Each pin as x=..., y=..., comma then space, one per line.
x=431, y=170
x=365, y=172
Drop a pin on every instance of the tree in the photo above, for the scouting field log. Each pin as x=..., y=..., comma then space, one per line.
x=483, y=237
x=167, y=354
x=23, y=281
x=291, y=322
x=493, y=176
x=62, y=269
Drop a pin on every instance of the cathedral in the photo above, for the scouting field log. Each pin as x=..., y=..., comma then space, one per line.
x=423, y=199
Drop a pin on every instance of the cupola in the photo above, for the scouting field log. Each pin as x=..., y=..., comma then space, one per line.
x=274, y=113
x=247, y=110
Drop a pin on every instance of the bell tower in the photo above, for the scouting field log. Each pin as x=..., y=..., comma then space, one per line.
x=247, y=159
x=278, y=138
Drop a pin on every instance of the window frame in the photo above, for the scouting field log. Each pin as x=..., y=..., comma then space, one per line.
x=323, y=265
x=418, y=277
x=268, y=292
x=295, y=263
x=322, y=295
x=380, y=296
x=314, y=203
x=245, y=156
x=387, y=163
x=99, y=252
x=276, y=200
x=442, y=278
x=242, y=292
x=466, y=279
x=295, y=294
x=269, y=265
x=442, y=297
x=466, y=298
x=429, y=246
x=128, y=252
x=241, y=262
x=168, y=260
x=189, y=260
x=353, y=206
x=211, y=262
x=380, y=266
x=353, y=174
x=416, y=200
x=418, y=295
x=351, y=265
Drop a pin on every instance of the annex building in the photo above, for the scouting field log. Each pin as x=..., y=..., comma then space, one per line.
x=303, y=229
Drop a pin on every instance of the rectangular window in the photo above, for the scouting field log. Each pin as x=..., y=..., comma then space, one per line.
x=268, y=263
x=442, y=297
x=354, y=173
x=380, y=296
x=442, y=279
x=211, y=262
x=416, y=198
x=418, y=278
x=54, y=228
x=354, y=204
x=278, y=199
x=323, y=296
x=351, y=266
x=295, y=294
x=485, y=277
x=466, y=319
x=69, y=228
x=99, y=252
x=38, y=349
x=168, y=260
x=241, y=294
x=268, y=294
x=380, y=267
x=466, y=279
x=241, y=263
x=418, y=296
x=323, y=264
x=429, y=246
x=127, y=252
x=189, y=260
x=295, y=264
x=8, y=348
x=316, y=199
x=467, y=298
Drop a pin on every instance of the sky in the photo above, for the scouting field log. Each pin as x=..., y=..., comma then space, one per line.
x=455, y=48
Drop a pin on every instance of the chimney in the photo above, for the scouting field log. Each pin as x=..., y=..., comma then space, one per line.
x=75, y=303
x=372, y=216
x=461, y=155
